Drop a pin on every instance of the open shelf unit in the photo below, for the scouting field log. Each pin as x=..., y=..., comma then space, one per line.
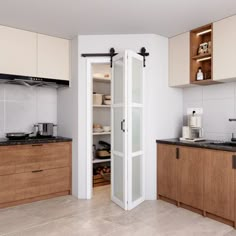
x=204, y=59
x=101, y=160
x=102, y=133
x=101, y=80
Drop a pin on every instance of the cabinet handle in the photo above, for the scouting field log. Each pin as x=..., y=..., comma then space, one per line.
x=234, y=161
x=122, y=125
x=177, y=153
x=37, y=145
x=36, y=171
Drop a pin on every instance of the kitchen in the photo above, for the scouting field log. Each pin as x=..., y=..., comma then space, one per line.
x=48, y=96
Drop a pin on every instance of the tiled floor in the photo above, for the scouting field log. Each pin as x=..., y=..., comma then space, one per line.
x=69, y=216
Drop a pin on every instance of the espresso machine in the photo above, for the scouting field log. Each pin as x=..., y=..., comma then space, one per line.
x=193, y=132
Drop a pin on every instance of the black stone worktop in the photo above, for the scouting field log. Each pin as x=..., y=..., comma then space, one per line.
x=6, y=142
x=208, y=144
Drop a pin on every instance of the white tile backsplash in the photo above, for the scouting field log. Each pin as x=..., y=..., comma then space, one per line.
x=218, y=103
x=21, y=107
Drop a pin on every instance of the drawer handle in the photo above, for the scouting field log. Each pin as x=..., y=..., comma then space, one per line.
x=177, y=153
x=36, y=171
x=234, y=161
x=37, y=145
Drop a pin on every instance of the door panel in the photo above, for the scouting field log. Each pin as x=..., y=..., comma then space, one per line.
x=191, y=176
x=219, y=184
x=167, y=171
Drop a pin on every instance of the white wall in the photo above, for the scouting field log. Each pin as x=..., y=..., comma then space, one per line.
x=68, y=114
x=163, y=105
x=218, y=103
x=21, y=107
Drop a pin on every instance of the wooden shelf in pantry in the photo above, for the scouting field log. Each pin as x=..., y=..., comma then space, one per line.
x=205, y=82
x=102, y=80
x=95, y=161
x=102, y=133
x=102, y=106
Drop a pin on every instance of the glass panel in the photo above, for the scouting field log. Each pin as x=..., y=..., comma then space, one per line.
x=118, y=81
x=136, y=129
x=137, y=74
x=118, y=133
x=118, y=173
x=136, y=178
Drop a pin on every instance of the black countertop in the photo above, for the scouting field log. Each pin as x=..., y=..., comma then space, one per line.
x=208, y=144
x=6, y=142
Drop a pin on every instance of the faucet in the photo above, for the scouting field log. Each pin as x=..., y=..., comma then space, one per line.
x=233, y=139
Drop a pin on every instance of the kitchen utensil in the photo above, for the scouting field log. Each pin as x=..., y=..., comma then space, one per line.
x=98, y=130
x=107, y=102
x=45, y=129
x=17, y=135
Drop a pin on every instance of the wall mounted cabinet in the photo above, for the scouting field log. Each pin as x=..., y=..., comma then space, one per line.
x=224, y=49
x=18, y=52
x=30, y=54
x=179, y=70
x=53, y=57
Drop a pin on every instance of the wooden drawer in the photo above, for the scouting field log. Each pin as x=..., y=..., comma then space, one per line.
x=33, y=184
x=26, y=158
x=43, y=156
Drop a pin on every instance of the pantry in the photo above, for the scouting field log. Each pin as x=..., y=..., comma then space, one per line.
x=101, y=110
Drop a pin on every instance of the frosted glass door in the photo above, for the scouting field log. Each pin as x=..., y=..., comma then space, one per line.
x=127, y=130
x=118, y=146
x=135, y=128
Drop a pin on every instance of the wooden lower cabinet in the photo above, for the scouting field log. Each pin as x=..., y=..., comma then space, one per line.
x=167, y=171
x=201, y=179
x=34, y=172
x=191, y=176
x=219, y=184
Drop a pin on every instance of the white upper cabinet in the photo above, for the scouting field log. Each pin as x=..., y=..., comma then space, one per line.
x=18, y=52
x=179, y=60
x=224, y=40
x=53, y=57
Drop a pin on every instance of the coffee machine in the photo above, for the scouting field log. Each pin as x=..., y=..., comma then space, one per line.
x=193, y=131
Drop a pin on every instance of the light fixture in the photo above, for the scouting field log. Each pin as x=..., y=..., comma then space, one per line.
x=204, y=32
x=203, y=59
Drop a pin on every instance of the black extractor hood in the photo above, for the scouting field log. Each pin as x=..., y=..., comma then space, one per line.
x=32, y=81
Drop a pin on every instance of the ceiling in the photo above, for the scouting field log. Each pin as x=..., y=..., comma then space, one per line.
x=67, y=18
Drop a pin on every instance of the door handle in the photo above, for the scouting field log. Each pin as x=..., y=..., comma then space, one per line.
x=36, y=171
x=234, y=161
x=177, y=153
x=122, y=125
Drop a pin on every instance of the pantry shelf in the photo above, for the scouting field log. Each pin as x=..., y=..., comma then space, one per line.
x=102, y=133
x=102, y=106
x=102, y=80
x=95, y=161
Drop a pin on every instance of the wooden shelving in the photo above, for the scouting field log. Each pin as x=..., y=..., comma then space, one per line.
x=101, y=160
x=203, y=60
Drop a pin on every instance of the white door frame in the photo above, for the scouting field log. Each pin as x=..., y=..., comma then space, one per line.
x=89, y=115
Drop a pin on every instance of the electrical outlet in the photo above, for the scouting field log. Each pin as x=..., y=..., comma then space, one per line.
x=198, y=110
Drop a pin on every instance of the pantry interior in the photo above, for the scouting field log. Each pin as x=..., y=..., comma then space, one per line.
x=101, y=132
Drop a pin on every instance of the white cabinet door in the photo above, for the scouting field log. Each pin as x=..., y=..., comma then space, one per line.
x=53, y=57
x=18, y=52
x=127, y=155
x=179, y=60
x=224, y=49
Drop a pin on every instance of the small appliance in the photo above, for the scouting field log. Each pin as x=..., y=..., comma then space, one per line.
x=194, y=131
x=45, y=129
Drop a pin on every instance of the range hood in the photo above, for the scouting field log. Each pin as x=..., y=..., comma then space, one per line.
x=32, y=81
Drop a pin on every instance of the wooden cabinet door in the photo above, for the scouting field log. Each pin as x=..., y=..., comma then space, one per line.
x=53, y=57
x=167, y=171
x=179, y=60
x=219, y=184
x=191, y=176
x=7, y=188
x=18, y=49
x=224, y=38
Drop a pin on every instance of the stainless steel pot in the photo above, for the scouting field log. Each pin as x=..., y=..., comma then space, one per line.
x=45, y=129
